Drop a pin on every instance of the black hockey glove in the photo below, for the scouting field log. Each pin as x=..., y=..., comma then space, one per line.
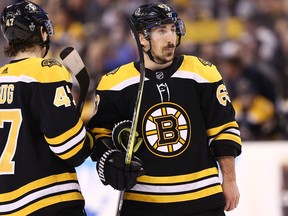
x=112, y=170
x=120, y=136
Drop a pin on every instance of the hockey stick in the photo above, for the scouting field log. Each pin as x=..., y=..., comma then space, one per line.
x=74, y=63
x=131, y=140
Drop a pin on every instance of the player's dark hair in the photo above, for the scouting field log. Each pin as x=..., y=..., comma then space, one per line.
x=18, y=45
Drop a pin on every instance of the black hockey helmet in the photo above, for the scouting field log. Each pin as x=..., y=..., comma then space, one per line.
x=23, y=20
x=151, y=15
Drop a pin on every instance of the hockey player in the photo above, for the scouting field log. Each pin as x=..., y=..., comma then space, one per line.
x=42, y=136
x=186, y=124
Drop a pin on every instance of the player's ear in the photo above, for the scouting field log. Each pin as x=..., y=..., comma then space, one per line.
x=144, y=42
x=44, y=34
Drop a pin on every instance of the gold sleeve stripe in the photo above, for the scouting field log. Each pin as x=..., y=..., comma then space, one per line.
x=217, y=130
x=44, y=182
x=70, y=144
x=102, y=136
x=91, y=140
x=101, y=132
x=173, y=198
x=227, y=136
x=48, y=202
x=72, y=152
x=179, y=178
x=63, y=137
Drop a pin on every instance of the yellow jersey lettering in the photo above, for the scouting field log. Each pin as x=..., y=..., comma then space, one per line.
x=222, y=95
x=6, y=93
x=61, y=98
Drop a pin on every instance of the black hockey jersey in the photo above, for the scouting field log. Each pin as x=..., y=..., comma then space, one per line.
x=186, y=119
x=42, y=139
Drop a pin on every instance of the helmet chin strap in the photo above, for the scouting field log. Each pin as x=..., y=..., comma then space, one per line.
x=47, y=46
x=46, y=43
x=149, y=53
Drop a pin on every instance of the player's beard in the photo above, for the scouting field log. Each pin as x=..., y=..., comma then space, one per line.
x=167, y=54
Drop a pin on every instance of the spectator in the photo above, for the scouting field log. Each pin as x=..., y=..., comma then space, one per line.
x=254, y=113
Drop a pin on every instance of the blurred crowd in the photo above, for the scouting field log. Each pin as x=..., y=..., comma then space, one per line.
x=246, y=39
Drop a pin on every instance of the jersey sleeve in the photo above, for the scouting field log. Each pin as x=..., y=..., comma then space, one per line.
x=112, y=108
x=222, y=129
x=102, y=123
x=53, y=106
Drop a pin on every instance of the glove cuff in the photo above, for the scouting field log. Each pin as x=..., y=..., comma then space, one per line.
x=120, y=129
x=101, y=165
x=120, y=136
x=112, y=170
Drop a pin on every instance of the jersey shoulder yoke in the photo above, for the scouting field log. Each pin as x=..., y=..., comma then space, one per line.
x=119, y=78
x=37, y=70
x=197, y=67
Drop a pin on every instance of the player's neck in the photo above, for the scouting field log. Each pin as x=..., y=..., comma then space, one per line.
x=151, y=65
x=36, y=52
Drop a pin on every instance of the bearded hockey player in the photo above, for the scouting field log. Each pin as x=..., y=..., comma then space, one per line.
x=186, y=124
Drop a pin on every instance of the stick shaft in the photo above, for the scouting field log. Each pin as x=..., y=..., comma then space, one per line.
x=132, y=134
x=136, y=112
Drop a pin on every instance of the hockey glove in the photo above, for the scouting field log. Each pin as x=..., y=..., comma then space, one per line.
x=120, y=136
x=112, y=170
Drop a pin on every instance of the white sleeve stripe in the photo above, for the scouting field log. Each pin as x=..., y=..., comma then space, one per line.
x=231, y=130
x=187, y=187
x=70, y=144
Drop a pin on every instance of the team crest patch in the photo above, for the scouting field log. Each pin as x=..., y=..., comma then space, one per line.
x=166, y=130
x=205, y=63
x=50, y=62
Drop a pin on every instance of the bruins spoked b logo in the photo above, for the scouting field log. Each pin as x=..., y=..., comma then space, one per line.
x=166, y=129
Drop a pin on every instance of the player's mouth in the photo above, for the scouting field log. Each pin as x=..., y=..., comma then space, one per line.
x=170, y=48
